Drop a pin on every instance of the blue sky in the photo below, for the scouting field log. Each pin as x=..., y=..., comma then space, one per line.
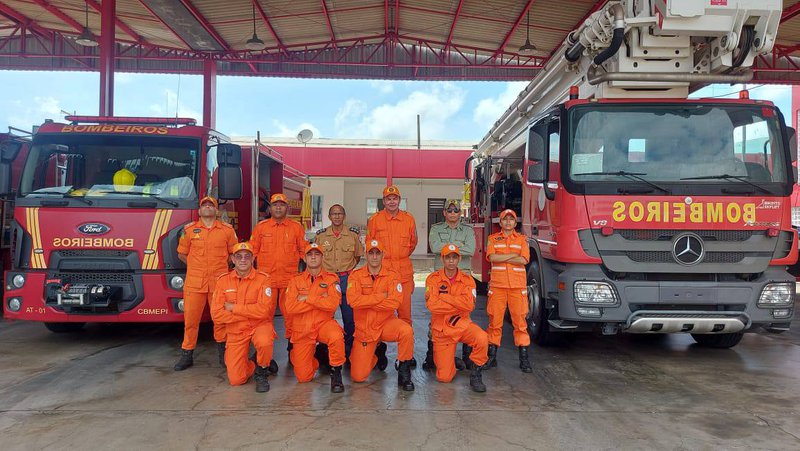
x=282, y=107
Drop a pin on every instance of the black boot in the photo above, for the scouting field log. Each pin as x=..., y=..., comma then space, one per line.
x=466, y=351
x=429, y=364
x=221, y=353
x=272, y=369
x=492, y=362
x=476, y=381
x=413, y=363
x=262, y=380
x=321, y=354
x=524, y=363
x=289, y=347
x=460, y=363
x=336, y=379
x=380, y=353
x=186, y=360
x=404, y=376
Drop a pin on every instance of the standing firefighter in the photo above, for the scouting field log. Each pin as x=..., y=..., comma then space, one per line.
x=396, y=230
x=203, y=246
x=375, y=292
x=278, y=244
x=450, y=297
x=243, y=303
x=311, y=299
x=508, y=253
x=451, y=231
x=341, y=252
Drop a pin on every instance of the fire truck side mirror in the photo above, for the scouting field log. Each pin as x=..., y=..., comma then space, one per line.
x=8, y=152
x=229, y=157
x=792, y=142
x=538, y=158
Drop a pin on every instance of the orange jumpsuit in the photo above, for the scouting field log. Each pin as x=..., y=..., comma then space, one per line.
x=206, y=250
x=450, y=302
x=507, y=287
x=278, y=248
x=313, y=321
x=374, y=300
x=250, y=321
x=398, y=235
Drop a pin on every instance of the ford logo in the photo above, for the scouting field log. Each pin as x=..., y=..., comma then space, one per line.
x=93, y=228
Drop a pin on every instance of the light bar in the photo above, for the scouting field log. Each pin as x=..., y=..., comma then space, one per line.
x=132, y=120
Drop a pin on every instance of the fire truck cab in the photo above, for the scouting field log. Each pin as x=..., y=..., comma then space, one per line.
x=647, y=211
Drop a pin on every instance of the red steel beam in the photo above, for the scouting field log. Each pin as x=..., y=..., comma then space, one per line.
x=166, y=25
x=23, y=20
x=107, y=47
x=790, y=12
x=120, y=24
x=60, y=14
x=210, y=92
x=453, y=25
x=272, y=31
x=386, y=17
x=513, y=28
x=205, y=24
x=328, y=21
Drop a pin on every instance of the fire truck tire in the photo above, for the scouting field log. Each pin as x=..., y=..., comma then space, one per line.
x=538, y=327
x=719, y=341
x=64, y=328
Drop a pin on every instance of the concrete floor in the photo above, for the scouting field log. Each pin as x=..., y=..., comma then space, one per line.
x=113, y=387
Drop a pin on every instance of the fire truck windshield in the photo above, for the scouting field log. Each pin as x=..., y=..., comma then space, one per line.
x=685, y=148
x=106, y=169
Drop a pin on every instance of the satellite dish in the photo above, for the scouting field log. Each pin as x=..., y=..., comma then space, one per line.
x=305, y=135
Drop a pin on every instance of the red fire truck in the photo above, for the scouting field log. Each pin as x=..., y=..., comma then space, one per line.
x=89, y=250
x=646, y=211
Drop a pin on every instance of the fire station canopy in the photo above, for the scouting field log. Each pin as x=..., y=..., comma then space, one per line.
x=379, y=39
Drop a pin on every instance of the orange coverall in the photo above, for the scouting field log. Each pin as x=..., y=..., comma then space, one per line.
x=398, y=235
x=374, y=301
x=250, y=321
x=313, y=321
x=507, y=287
x=206, y=250
x=450, y=303
x=278, y=248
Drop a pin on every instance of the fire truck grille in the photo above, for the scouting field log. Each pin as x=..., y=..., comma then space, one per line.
x=94, y=278
x=666, y=257
x=95, y=253
x=668, y=234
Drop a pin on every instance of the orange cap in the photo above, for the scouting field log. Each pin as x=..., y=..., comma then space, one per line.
x=278, y=197
x=241, y=247
x=450, y=249
x=507, y=212
x=374, y=244
x=209, y=199
x=391, y=189
x=313, y=247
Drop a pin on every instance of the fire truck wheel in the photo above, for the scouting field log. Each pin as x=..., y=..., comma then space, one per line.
x=64, y=328
x=538, y=327
x=719, y=341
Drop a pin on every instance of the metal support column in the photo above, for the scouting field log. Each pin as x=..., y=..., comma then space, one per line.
x=209, y=93
x=107, y=47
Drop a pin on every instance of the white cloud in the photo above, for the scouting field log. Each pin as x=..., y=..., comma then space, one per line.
x=490, y=109
x=24, y=115
x=167, y=109
x=382, y=86
x=436, y=106
x=280, y=129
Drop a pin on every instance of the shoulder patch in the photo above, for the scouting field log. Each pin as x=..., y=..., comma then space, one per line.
x=474, y=293
x=268, y=291
x=321, y=231
x=338, y=288
x=399, y=287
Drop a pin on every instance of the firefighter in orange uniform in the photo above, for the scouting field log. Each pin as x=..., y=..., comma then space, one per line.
x=508, y=253
x=375, y=292
x=396, y=230
x=278, y=244
x=450, y=297
x=203, y=245
x=311, y=299
x=243, y=303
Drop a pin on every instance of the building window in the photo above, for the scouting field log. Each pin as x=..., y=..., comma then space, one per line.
x=375, y=205
x=316, y=211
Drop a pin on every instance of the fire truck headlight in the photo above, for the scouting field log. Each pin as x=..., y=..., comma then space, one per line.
x=180, y=306
x=776, y=294
x=796, y=216
x=14, y=304
x=176, y=282
x=595, y=293
x=18, y=281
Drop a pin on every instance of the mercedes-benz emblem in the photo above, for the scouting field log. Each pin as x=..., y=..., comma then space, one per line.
x=688, y=249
